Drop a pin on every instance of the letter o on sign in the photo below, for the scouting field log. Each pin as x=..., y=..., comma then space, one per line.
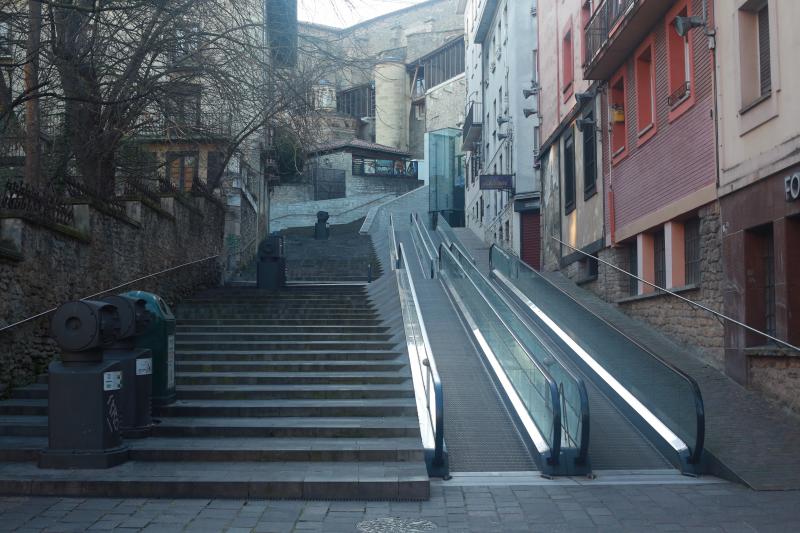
x=792, y=185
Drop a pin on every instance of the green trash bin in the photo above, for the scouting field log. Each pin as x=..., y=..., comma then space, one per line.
x=159, y=337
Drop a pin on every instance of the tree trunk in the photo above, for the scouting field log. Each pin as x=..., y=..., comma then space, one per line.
x=33, y=155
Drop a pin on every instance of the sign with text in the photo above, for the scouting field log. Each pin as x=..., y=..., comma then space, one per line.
x=496, y=182
x=792, y=186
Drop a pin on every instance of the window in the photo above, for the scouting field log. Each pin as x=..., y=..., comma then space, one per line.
x=567, y=61
x=691, y=235
x=183, y=106
x=445, y=63
x=182, y=169
x=508, y=231
x=764, y=67
x=680, y=69
x=633, y=268
x=660, y=259
x=586, y=14
x=357, y=102
x=755, y=55
x=645, y=91
x=619, y=141
x=589, y=134
x=569, y=171
x=5, y=37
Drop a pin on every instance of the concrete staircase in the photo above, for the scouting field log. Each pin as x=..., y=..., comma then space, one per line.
x=299, y=394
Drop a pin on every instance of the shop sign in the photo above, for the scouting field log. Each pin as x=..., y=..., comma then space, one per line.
x=496, y=182
x=792, y=186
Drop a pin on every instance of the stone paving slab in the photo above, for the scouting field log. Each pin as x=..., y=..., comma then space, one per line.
x=687, y=507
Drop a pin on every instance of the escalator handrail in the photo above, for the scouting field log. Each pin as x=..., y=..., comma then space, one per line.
x=429, y=362
x=583, y=438
x=555, y=449
x=429, y=250
x=696, y=451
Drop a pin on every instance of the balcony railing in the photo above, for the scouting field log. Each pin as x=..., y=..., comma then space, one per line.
x=473, y=123
x=207, y=125
x=602, y=22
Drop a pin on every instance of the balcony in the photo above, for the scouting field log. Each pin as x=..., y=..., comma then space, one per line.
x=473, y=125
x=484, y=22
x=206, y=126
x=615, y=30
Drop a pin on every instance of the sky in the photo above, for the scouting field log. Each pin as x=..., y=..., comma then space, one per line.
x=342, y=13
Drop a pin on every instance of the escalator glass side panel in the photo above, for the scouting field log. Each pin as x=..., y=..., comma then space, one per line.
x=573, y=397
x=536, y=389
x=669, y=395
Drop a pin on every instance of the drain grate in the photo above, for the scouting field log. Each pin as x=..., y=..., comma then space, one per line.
x=396, y=525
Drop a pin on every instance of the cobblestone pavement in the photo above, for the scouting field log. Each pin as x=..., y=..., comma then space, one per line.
x=682, y=507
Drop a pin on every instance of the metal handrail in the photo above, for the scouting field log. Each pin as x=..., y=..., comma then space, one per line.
x=687, y=300
x=555, y=450
x=429, y=251
x=432, y=382
x=95, y=295
x=697, y=450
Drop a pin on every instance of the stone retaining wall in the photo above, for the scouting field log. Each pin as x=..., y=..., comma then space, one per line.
x=43, y=265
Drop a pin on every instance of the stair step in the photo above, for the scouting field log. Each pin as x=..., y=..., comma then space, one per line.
x=181, y=345
x=21, y=449
x=289, y=366
x=300, y=377
x=288, y=427
x=264, y=392
x=24, y=407
x=236, y=336
x=292, y=408
x=339, y=321
x=37, y=391
x=242, y=480
x=286, y=355
x=250, y=328
x=23, y=426
x=277, y=449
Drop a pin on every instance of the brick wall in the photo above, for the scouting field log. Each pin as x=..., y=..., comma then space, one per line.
x=55, y=265
x=680, y=158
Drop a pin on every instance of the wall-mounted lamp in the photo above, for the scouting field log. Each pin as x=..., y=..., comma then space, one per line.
x=527, y=93
x=684, y=24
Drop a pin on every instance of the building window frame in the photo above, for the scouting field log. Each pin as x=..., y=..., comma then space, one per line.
x=569, y=171
x=618, y=95
x=660, y=258
x=645, y=80
x=680, y=63
x=183, y=181
x=589, y=137
x=692, y=251
x=567, y=61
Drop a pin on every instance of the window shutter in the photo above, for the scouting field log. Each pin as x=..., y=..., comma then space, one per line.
x=763, y=51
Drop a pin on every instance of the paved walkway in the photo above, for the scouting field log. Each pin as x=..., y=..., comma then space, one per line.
x=452, y=508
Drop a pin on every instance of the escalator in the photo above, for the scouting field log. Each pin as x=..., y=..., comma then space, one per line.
x=645, y=414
